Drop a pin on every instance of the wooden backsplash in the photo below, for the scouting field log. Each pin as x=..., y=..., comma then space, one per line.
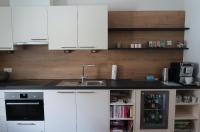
x=36, y=62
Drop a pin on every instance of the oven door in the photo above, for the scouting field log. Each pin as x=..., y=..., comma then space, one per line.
x=24, y=110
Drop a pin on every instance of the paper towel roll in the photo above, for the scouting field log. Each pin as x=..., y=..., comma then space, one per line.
x=114, y=72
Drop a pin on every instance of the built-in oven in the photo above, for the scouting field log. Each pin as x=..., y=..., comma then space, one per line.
x=24, y=106
x=24, y=110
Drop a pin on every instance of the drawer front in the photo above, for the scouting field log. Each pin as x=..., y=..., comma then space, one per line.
x=27, y=126
x=2, y=108
x=2, y=112
x=1, y=95
x=3, y=127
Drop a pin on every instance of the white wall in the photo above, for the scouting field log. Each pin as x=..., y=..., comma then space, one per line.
x=4, y=2
x=134, y=4
x=123, y=4
x=192, y=36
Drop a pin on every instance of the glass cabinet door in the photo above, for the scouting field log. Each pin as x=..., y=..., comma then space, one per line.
x=154, y=109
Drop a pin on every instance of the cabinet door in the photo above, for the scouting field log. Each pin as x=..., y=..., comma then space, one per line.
x=3, y=127
x=93, y=27
x=92, y=110
x=62, y=27
x=6, y=42
x=140, y=109
x=25, y=126
x=60, y=111
x=29, y=24
x=1, y=94
x=2, y=108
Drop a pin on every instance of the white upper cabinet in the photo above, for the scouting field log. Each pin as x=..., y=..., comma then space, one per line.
x=6, y=42
x=93, y=27
x=82, y=27
x=62, y=27
x=29, y=25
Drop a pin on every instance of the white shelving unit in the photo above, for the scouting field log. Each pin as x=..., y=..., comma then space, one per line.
x=185, y=117
x=188, y=110
x=123, y=119
x=120, y=100
x=122, y=104
x=186, y=104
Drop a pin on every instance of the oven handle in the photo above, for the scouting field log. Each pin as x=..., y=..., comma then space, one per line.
x=23, y=103
x=23, y=124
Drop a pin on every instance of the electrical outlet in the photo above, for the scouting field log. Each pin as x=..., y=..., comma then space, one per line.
x=7, y=69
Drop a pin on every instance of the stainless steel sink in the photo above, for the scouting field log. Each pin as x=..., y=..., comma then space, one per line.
x=97, y=83
x=69, y=83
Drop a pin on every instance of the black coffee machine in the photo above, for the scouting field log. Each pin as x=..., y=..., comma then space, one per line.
x=178, y=71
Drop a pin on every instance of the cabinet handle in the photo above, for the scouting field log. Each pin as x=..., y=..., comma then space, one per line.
x=20, y=43
x=88, y=47
x=38, y=39
x=87, y=92
x=22, y=103
x=65, y=92
x=22, y=124
x=67, y=47
x=5, y=48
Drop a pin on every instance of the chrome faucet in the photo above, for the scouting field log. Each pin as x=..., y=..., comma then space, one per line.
x=83, y=75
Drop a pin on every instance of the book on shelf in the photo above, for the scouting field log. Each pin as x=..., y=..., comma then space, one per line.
x=122, y=112
x=121, y=126
x=117, y=130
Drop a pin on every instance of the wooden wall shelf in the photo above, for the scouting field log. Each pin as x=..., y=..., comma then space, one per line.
x=148, y=29
x=148, y=48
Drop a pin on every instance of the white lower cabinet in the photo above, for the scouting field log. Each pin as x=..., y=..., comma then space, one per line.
x=60, y=111
x=92, y=110
x=25, y=126
x=76, y=111
x=3, y=127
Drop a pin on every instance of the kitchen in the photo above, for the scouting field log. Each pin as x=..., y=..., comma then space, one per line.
x=85, y=66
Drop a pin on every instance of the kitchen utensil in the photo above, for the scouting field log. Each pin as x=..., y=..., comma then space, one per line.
x=188, y=80
x=197, y=83
x=165, y=75
x=194, y=99
x=132, y=45
x=150, y=78
x=119, y=45
x=178, y=99
x=114, y=72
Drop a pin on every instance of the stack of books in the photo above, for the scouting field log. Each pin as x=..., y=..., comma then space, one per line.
x=121, y=126
x=122, y=112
